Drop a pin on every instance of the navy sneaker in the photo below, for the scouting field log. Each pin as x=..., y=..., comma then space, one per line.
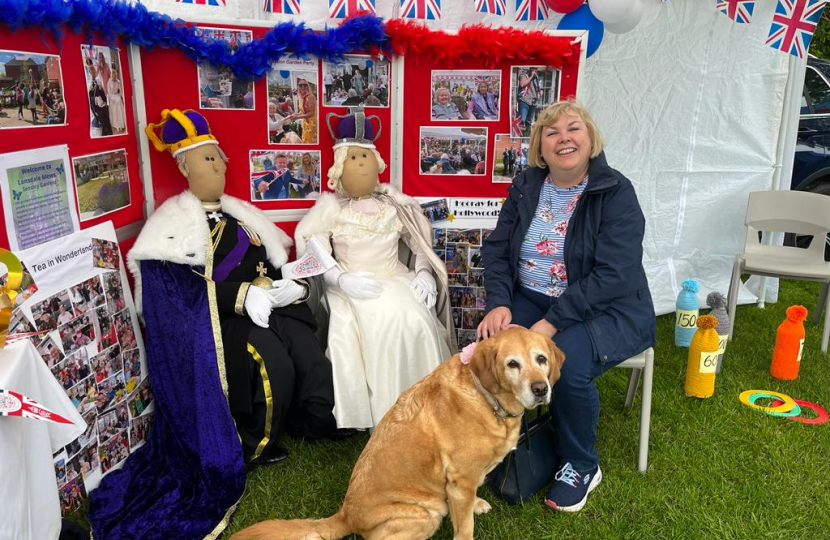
x=570, y=488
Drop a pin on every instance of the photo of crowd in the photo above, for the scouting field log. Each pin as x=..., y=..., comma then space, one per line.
x=532, y=88
x=77, y=334
x=50, y=352
x=132, y=369
x=113, y=451
x=125, y=330
x=105, y=91
x=465, y=95
x=105, y=254
x=140, y=399
x=509, y=157
x=461, y=250
x=72, y=369
x=219, y=88
x=436, y=210
x=106, y=364
x=115, y=295
x=292, y=103
x=87, y=295
x=31, y=92
x=102, y=183
x=72, y=495
x=453, y=150
x=359, y=80
x=55, y=310
x=140, y=430
x=284, y=174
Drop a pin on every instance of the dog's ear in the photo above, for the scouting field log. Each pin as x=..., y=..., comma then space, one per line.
x=484, y=365
x=557, y=358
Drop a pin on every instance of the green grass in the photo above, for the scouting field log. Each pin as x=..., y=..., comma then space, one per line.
x=717, y=469
x=88, y=194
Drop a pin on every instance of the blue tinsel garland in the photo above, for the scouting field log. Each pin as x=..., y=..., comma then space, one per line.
x=134, y=23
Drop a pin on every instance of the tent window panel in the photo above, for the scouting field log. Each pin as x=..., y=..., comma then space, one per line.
x=819, y=92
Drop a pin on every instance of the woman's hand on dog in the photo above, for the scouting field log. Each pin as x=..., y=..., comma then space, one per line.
x=497, y=319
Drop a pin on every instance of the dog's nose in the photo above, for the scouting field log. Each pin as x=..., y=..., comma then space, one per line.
x=539, y=389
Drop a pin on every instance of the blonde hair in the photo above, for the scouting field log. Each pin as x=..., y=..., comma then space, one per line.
x=549, y=116
x=336, y=170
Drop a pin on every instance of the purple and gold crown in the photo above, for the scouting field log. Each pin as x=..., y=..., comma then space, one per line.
x=354, y=129
x=180, y=131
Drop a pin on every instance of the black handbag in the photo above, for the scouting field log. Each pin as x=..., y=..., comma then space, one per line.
x=529, y=467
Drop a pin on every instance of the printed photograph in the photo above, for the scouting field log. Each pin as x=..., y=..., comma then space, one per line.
x=471, y=318
x=114, y=451
x=105, y=254
x=462, y=297
x=359, y=80
x=102, y=183
x=457, y=279
x=292, y=102
x=532, y=88
x=465, y=95
x=465, y=337
x=106, y=364
x=53, y=311
x=72, y=495
x=113, y=390
x=219, y=88
x=457, y=258
x=27, y=285
x=84, y=395
x=436, y=210
x=31, y=94
x=105, y=91
x=140, y=430
x=106, y=327
x=87, y=295
x=439, y=238
x=132, y=369
x=464, y=236
x=114, y=292
x=475, y=258
x=509, y=157
x=20, y=325
x=476, y=278
x=91, y=433
x=50, y=352
x=140, y=399
x=77, y=334
x=125, y=330
x=72, y=370
x=281, y=175
x=453, y=150
x=88, y=460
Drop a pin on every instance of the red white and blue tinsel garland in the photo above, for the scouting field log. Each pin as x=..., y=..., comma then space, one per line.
x=134, y=23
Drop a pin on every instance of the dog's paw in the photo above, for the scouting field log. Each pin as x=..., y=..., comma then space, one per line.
x=481, y=506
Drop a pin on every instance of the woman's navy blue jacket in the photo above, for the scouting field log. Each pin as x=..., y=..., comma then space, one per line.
x=607, y=286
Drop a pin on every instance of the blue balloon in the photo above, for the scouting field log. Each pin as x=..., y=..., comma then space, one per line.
x=370, y=63
x=284, y=73
x=583, y=19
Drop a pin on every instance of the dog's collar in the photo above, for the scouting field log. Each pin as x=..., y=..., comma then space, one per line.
x=498, y=409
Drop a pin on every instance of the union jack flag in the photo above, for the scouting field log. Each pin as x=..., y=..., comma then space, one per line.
x=531, y=10
x=289, y=7
x=793, y=25
x=340, y=9
x=421, y=9
x=203, y=2
x=493, y=7
x=739, y=11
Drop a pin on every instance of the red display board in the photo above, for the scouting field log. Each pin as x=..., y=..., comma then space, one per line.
x=76, y=132
x=171, y=82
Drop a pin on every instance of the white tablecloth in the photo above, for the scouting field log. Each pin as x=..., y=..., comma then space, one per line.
x=30, y=509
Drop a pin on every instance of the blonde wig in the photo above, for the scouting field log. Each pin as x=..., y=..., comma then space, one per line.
x=336, y=170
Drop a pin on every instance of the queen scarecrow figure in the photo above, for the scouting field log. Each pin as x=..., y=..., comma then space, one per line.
x=390, y=324
x=231, y=353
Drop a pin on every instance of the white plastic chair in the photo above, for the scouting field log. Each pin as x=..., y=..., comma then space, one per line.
x=642, y=363
x=797, y=212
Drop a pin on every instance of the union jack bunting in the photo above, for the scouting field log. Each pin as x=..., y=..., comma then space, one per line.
x=793, y=25
x=340, y=9
x=203, y=2
x=288, y=7
x=421, y=9
x=493, y=7
x=739, y=11
x=531, y=10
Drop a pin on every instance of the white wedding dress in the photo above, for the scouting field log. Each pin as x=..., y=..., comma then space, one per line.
x=379, y=346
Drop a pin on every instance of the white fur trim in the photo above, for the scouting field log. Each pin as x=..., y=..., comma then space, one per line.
x=320, y=218
x=178, y=232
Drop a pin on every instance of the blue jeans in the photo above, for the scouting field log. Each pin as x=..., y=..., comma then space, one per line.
x=575, y=401
x=526, y=112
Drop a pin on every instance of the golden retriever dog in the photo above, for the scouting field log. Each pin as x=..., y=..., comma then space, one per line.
x=432, y=450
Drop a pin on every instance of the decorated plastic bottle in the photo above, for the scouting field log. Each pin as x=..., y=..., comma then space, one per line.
x=789, y=345
x=717, y=305
x=703, y=359
x=686, y=313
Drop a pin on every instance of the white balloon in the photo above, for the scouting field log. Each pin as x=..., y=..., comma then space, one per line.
x=611, y=11
x=629, y=23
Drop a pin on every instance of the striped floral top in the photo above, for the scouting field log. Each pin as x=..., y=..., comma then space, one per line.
x=542, y=256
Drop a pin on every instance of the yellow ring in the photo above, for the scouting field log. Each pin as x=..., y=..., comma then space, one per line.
x=786, y=406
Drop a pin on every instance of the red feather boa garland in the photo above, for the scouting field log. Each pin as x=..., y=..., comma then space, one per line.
x=480, y=44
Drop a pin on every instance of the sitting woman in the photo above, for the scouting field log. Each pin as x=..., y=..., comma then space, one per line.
x=565, y=260
x=384, y=329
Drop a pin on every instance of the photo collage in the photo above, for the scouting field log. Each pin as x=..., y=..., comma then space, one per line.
x=87, y=337
x=460, y=249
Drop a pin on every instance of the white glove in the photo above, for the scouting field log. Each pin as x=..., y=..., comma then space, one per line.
x=258, y=306
x=359, y=284
x=284, y=292
x=423, y=286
